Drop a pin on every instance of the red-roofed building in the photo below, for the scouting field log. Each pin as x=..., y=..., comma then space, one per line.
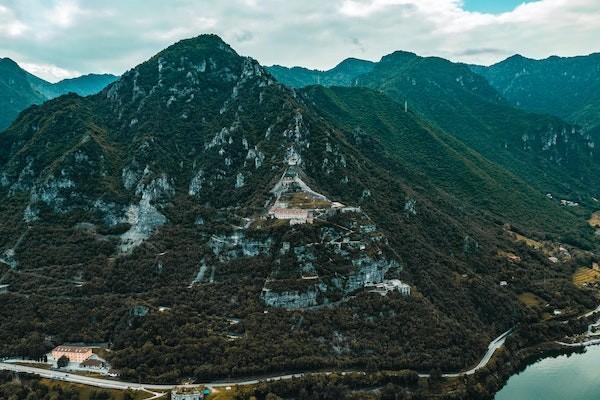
x=75, y=354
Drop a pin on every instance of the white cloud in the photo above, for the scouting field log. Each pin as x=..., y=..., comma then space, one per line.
x=49, y=72
x=64, y=13
x=10, y=26
x=112, y=35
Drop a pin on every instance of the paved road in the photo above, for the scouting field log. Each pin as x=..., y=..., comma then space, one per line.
x=492, y=347
x=113, y=384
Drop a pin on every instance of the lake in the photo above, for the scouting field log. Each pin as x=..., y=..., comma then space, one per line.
x=573, y=377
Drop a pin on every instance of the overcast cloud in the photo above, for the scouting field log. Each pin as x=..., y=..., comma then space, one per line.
x=63, y=38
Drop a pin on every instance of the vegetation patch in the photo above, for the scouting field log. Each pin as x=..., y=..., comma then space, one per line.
x=595, y=219
x=530, y=299
x=585, y=276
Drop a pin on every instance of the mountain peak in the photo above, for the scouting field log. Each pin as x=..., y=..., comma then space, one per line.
x=399, y=56
x=9, y=63
x=206, y=43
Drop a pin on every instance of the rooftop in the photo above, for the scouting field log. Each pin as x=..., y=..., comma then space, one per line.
x=72, y=349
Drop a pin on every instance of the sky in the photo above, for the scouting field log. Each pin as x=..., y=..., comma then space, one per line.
x=57, y=39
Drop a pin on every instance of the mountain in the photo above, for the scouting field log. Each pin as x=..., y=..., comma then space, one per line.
x=406, y=143
x=553, y=156
x=567, y=87
x=16, y=92
x=208, y=221
x=19, y=89
x=341, y=75
x=84, y=85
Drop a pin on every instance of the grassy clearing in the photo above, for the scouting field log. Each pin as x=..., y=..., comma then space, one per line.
x=511, y=257
x=85, y=392
x=530, y=299
x=586, y=275
x=595, y=219
x=534, y=244
x=304, y=200
x=222, y=394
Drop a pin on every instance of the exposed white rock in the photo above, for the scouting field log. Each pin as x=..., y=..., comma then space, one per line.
x=130, y=177
x=171, y=100
x=239, y=180
x=80, y=157
x=368, y=271
x=25, y=180
x=110, y=211
x=196, y=183
x=8, y=258
x=4, y=181
x=293, y=299
x=144, y=217
x=410, y=207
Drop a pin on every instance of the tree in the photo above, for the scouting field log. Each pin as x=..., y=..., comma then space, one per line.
x=435, y=376
x=62, y=362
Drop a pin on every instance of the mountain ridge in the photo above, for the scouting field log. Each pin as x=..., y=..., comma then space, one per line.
x=563, y=86
x=464, y=104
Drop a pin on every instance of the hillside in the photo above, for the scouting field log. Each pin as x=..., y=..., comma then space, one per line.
x=16, y=92
x=19, y=89
x=567, y=87
x=208, y=221
x=551, y=155
x=405, y=143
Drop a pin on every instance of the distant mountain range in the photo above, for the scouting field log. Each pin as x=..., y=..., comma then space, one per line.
x=20, y=89
x=568, y=87
x=550, y=154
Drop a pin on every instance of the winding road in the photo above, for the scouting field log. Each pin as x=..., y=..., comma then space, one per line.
x=151, y=388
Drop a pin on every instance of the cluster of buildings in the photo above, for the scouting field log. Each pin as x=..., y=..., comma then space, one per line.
x=80, y=358
x=187, y=393
x=390, y=285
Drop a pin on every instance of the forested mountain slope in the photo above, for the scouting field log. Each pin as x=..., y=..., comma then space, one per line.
x=552, y=155
x=549, y=154
x=146, y=216
x=568, y=87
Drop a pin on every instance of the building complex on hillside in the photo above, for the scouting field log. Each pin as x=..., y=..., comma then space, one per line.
x=186, y=393
x=295, y=215
x=75, y=354
x=391, y=285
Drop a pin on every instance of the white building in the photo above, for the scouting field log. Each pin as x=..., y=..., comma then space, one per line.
x=190, y=393
x=295, y=215
x=391, y=285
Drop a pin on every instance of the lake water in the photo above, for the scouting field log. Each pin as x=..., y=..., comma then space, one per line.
x=574, y=377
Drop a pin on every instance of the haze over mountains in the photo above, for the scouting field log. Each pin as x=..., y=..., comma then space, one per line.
x=163, y=190
x=19, y=89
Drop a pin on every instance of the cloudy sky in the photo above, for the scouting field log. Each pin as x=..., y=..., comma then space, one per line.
x=56, y=39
